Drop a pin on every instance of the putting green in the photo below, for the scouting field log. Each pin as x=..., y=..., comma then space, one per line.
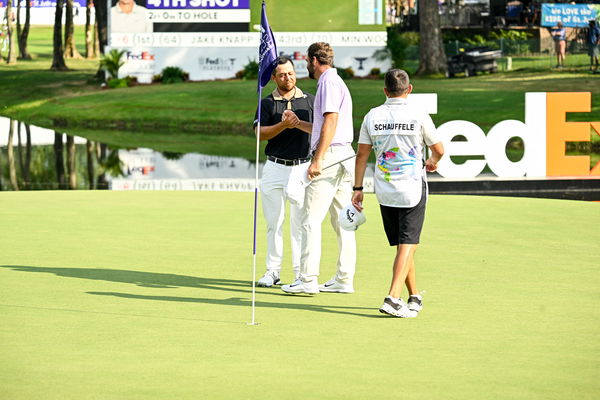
x=146, y=295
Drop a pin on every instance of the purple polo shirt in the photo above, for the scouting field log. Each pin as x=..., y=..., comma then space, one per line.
x=332, y=96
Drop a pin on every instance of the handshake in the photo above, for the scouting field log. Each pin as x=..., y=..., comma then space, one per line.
x=290, y=119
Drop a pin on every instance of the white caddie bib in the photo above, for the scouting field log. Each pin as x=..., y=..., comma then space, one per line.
x=399, y=164
x=399, y=134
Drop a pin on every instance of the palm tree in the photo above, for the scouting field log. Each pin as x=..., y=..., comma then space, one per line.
x=58, y=59
x=96, y=39
x=12, y=37
x=89, y=31
x=101, y=31
x=432, y=59
x=70, y=48
x=23, y=33
x=112, y=62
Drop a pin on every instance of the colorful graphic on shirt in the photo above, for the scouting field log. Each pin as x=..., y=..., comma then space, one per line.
x=390, y=163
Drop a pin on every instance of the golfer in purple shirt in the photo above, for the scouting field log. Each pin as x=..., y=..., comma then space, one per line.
x=330, y=189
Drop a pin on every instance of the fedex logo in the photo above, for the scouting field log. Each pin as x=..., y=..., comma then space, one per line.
x=140, y=170
x=545, y=133
x=144, y=55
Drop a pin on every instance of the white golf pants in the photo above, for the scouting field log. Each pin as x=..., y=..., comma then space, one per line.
x=272, y=192
x=329, y=192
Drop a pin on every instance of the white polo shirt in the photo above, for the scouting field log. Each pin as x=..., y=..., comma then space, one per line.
x=398, y=133
x=137, y=21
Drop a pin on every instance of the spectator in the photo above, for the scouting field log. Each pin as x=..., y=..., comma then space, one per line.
x=593, y=40
x=559, y=34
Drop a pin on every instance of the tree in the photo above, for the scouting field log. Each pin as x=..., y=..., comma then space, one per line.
x=58, y=59
x=90, y=48
x=12, y=37
x=23, y=33
x=96, y=40
x=70, y=48
x=10, y=155
x=59, y=161
x=432, y=59
x=101, y=31
x=101, y=23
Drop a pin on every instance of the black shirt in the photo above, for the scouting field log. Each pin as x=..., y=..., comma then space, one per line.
x=291, y=143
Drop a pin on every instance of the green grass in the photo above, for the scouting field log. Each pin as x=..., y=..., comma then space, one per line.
x=146, y=295
x=32, y=81
x=207, y=106
x=171, y=117
x=32, y=93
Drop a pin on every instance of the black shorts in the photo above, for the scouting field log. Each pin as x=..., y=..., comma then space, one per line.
x=404, y=225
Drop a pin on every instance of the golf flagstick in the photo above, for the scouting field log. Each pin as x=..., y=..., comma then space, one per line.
x=267, y=56
x=338, y=162
x=255, y=209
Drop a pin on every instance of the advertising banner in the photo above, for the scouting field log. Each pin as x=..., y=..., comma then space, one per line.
x=207, y=56
x=213, y=62
x=571, y=15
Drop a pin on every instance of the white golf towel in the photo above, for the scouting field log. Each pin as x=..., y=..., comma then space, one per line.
x=297, y=183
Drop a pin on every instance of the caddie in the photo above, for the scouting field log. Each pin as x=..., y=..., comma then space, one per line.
x=286, y=122
x=399, y=132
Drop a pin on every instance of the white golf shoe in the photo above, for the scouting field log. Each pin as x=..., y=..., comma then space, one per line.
x=333, y=286
x=298, y=286
x=269, y=279
x=397, y=308
x=415, y=302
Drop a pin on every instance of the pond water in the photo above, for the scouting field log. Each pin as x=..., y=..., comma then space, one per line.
x=42, y=159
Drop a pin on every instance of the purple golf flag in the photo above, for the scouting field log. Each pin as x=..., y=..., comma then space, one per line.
x=267, y=53
x=267, y=58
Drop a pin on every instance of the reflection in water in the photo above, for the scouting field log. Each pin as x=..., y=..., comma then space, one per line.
x=146, y=169
x=33, y=158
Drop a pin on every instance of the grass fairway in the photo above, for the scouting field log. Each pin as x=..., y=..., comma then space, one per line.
x=146, y=295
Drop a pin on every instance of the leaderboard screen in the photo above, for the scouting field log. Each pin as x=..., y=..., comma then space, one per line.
x=146, y=16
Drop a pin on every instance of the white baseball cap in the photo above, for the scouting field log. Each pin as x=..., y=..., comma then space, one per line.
x=350, y=218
